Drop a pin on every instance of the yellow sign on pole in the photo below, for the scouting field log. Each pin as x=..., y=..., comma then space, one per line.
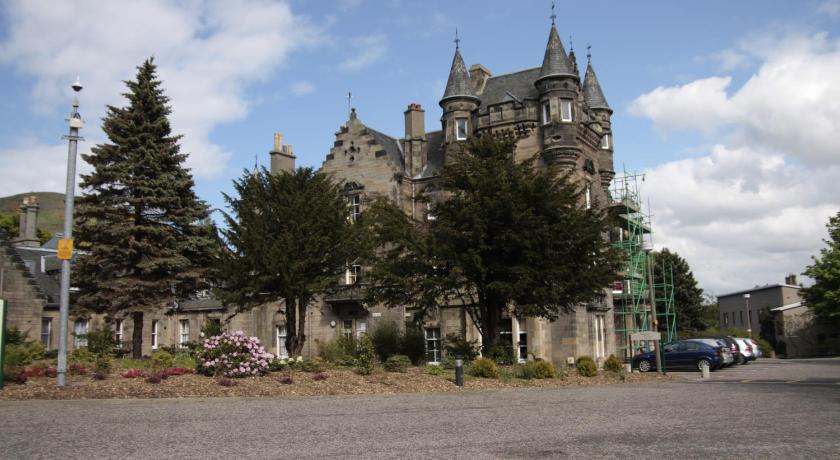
x=65, y=249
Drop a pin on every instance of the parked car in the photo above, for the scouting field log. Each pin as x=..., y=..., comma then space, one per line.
x=745, y=350
x=682, y=354
x=733, y=347
x=755, y=348
x=727, y=359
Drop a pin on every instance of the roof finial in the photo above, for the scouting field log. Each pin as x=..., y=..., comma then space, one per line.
x=553, y=16
x=457, y=40
x=571, y=44
x=349, y=98
x=588, y=53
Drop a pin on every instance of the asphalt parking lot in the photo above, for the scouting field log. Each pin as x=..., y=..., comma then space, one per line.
x=687, y=418
x=766, y=370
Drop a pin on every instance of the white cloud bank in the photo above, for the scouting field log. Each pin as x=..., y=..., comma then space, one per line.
x=207, y=53
x=756, y=206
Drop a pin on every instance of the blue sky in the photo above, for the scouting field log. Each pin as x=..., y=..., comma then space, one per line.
x=698, y=89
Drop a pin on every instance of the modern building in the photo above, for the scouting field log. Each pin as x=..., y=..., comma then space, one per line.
x=798, y=334
x=743, y=309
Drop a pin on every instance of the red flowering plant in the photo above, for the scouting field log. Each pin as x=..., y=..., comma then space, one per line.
x=232, y=354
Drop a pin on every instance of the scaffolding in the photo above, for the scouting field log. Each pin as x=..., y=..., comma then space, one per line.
x=632, y=291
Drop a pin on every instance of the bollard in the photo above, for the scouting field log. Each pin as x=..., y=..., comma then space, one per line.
x=704, y=370
x=459, y=372
x=628, y=368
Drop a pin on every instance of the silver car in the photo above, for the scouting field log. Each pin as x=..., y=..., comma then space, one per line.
x=726, y=357
x=755, y=348
x=745, y=350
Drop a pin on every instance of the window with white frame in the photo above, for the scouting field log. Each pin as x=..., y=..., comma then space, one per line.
x=433, y=345
x=506, y=335
x=355, y=207
x=523, y=340
x=565, y=110
x=546, y=113
x=588, y=196
x=154, y=334
x=46, y=332
x=461, y=129
x=605, y=141
x=80, y=330
x=361, y=328
x=347, y=328
x=353, y=273
x=119, y=330
x=280, y=339
x=184, y=332
x=429, y=214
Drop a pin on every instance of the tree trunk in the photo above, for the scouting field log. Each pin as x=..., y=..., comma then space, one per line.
x=490, y=314
x=295, y=320
x=303, y=303
x=137, y=335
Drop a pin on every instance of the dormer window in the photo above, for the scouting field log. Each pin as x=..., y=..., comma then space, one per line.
x=546, y=113
x=565, y=110
x=605, y=142
x=461, y=129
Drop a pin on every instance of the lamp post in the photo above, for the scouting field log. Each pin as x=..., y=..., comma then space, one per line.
x=65, y=246
x=749, y=320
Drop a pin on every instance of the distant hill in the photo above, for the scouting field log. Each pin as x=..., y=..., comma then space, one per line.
x=51, y=214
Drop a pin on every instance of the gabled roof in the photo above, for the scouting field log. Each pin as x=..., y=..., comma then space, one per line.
x=592, y=93
x=555, y=61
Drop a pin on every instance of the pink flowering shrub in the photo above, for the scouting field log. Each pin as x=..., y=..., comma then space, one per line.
x=134, y=373
x=232, y=354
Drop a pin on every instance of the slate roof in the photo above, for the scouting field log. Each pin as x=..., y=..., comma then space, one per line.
x=436, y=156
x=30, y=259
x=555, y=61
x=391, y=145
x=592, y=93
x=500, y=88
x=458, y=84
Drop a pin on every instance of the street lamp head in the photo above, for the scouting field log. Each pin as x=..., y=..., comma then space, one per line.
x=746, y=296
x=77, y=86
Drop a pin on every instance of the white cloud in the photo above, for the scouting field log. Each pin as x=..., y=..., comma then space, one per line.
x=791, y=105
x=830, y=7
x=302, y=88
x=31, y=166
x=755, y=207
x=367, y=50
x=207, y=52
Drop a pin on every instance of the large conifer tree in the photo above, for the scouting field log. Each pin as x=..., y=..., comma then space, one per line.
x=147, y=238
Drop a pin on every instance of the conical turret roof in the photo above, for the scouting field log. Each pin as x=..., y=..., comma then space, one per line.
x=458, y=84
x=555, y=61
x=592, y=93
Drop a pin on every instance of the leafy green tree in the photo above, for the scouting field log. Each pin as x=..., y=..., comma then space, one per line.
x=691, y=310
x=148, y=240
x=288, y=238
x=823, y=297
x=508, y=235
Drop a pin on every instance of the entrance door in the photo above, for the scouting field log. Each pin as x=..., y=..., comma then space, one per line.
x=600, y=337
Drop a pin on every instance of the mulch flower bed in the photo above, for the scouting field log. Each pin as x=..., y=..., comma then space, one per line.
x=338, y=381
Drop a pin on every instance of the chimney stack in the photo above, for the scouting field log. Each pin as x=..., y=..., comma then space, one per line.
x=790, y=279
x=28, y=229
x=478, y=78
x=415, y=122
x=282, y=157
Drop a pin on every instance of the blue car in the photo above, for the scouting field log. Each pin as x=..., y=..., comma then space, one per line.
x=683, y=354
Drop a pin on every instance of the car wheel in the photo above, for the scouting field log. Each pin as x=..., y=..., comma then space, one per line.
x=704, y=361
x=644, y=365
x=742, y=359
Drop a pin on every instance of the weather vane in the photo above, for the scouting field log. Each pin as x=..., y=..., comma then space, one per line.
x=349, y=98
x=588, y=53
x=457, y=40
x=553, y=16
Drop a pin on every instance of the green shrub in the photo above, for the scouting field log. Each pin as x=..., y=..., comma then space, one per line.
x=456, y=345
x=366, y=357
x=14, y=336
x=484, y=368
x=448, y=362
x=397, y=363
x=341, y=350
x=184, y=360
x=102, y=365
x=537, y=370
x=314, y=365
x=162, y=360
x=22, y=354
x=433, y=370
x=101, y=342
x=586, y=366
x=612, y=364
x=81, y=356
x=501, y=354
x=211, y=328
x=387, y=339
x=414, y=343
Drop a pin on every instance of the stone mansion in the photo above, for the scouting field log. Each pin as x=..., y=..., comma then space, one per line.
x=558, y=116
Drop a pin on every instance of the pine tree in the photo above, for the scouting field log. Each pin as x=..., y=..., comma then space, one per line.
x=508, y=235
x=691, y=310
x=823, y=297
x=147, y=239
x=288, y=238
